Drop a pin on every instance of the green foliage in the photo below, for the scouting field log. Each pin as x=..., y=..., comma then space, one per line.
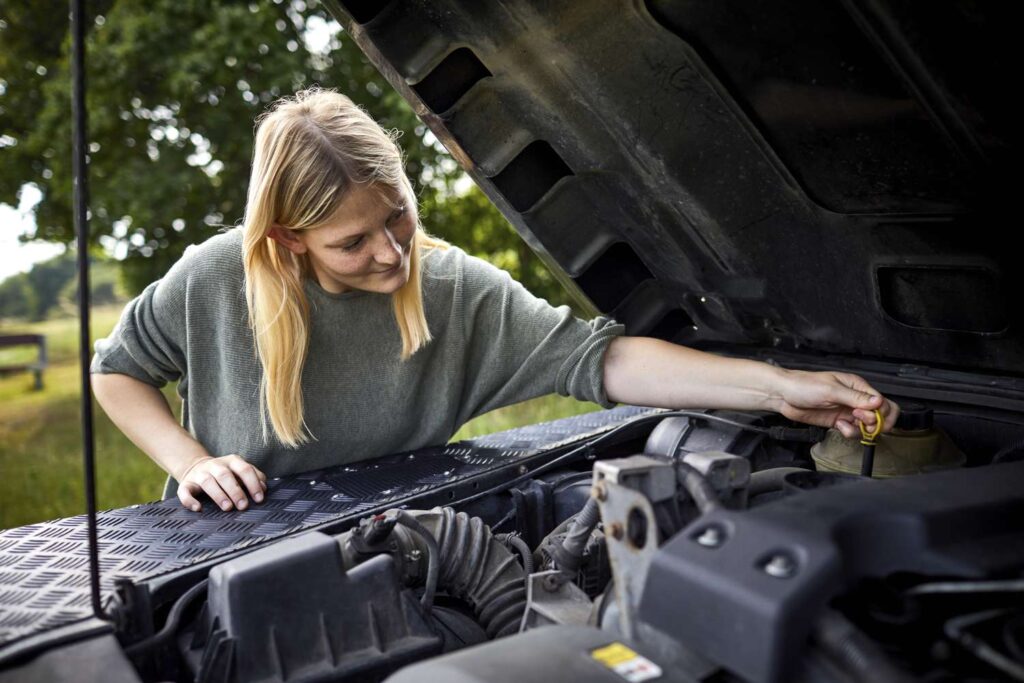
x=31, y=295
x=53, y=284
x=105, y=287
x=173, y=89
x=17, y=298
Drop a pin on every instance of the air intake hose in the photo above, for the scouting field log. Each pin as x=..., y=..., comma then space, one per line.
x=474, y=565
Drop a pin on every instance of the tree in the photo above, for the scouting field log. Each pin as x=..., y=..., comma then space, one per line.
x=17, y=299
x=173, y=89
x=31, y=295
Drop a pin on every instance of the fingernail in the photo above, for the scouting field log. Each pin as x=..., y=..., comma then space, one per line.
x=225, y=506
x=241, y=505
x=195, y=508
x=258, y=497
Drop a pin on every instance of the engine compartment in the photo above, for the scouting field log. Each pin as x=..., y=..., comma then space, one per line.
x=694, y=545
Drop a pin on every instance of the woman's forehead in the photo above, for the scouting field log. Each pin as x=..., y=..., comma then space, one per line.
x=363, y=206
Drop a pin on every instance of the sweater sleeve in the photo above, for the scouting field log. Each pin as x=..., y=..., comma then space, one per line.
x=148, y=342
x=521, y=347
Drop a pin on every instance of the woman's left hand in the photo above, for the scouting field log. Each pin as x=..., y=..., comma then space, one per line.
x=650, y=372
x=833, y=399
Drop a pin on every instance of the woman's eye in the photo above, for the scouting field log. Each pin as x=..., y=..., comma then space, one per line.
x=399, y=212
x=352, y=246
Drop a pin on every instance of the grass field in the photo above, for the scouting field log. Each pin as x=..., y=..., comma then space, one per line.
x=40, y=432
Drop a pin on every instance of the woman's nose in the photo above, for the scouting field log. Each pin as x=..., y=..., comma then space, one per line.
x=390, y=251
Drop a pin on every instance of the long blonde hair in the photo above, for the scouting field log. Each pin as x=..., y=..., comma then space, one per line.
x=310, y=150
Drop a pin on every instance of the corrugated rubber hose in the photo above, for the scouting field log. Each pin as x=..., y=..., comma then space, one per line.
x=476, y=567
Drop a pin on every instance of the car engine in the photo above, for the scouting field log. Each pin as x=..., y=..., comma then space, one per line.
x=689, y=546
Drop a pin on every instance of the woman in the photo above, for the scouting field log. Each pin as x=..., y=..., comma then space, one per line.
x=331, y=328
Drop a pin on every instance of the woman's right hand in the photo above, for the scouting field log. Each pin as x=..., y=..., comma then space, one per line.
x=226, y=480
x=141, y=411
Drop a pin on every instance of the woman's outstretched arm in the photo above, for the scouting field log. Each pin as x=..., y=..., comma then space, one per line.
x=651, y=372
x=141, y=412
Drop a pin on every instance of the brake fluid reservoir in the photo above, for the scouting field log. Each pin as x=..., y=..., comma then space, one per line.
x=914, y=446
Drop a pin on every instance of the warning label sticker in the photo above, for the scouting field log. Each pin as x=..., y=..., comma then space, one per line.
x=628, y=664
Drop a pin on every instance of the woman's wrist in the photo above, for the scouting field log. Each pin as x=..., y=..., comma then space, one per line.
x=774, y=382
x=187, y=465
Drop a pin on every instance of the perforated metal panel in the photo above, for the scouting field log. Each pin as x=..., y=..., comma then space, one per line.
x=44, y=572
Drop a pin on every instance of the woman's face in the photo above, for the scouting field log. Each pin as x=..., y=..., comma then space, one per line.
x=364, y=246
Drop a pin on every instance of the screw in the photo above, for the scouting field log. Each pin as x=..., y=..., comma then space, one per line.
x=617, y=531
x=523, y=469
x=711, y=537
x=600, y=492
x=552, y=582
x=780, y=566
x=413, y=555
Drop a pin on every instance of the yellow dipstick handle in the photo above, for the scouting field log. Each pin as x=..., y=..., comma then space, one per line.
x=869, y=437
x=867, y=463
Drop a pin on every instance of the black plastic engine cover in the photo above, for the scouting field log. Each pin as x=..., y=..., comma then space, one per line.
x=726, y=604
x=289, y=612
x=563, y=653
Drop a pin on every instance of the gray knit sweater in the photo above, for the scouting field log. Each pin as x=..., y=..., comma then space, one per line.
x=493, y=344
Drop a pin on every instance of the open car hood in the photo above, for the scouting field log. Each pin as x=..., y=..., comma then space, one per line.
x=824, y=177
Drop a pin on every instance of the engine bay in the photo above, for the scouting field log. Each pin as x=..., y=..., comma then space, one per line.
x=674, y=546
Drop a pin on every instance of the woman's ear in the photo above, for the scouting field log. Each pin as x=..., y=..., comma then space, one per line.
x=288, y=239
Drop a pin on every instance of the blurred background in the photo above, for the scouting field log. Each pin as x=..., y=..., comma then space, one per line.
x=173, y=89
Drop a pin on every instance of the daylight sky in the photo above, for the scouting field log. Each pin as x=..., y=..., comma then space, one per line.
x=16, y=257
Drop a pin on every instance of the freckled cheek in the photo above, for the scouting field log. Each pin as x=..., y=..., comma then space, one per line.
x=352, y=265
x=404, y=233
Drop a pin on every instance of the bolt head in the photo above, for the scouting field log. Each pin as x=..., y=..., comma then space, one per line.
x=712, y=537
x=780, y=566
x=617, y=531
x=551, y=583
x=600, y=492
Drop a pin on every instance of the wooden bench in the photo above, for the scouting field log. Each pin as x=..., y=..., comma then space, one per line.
x=38, y=340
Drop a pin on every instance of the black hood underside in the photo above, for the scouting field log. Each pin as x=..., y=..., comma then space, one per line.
x=830, y=177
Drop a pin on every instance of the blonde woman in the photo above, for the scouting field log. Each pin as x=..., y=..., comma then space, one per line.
x=332, y=328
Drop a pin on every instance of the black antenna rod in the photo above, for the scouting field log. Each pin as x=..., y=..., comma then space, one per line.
x=81, y=201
